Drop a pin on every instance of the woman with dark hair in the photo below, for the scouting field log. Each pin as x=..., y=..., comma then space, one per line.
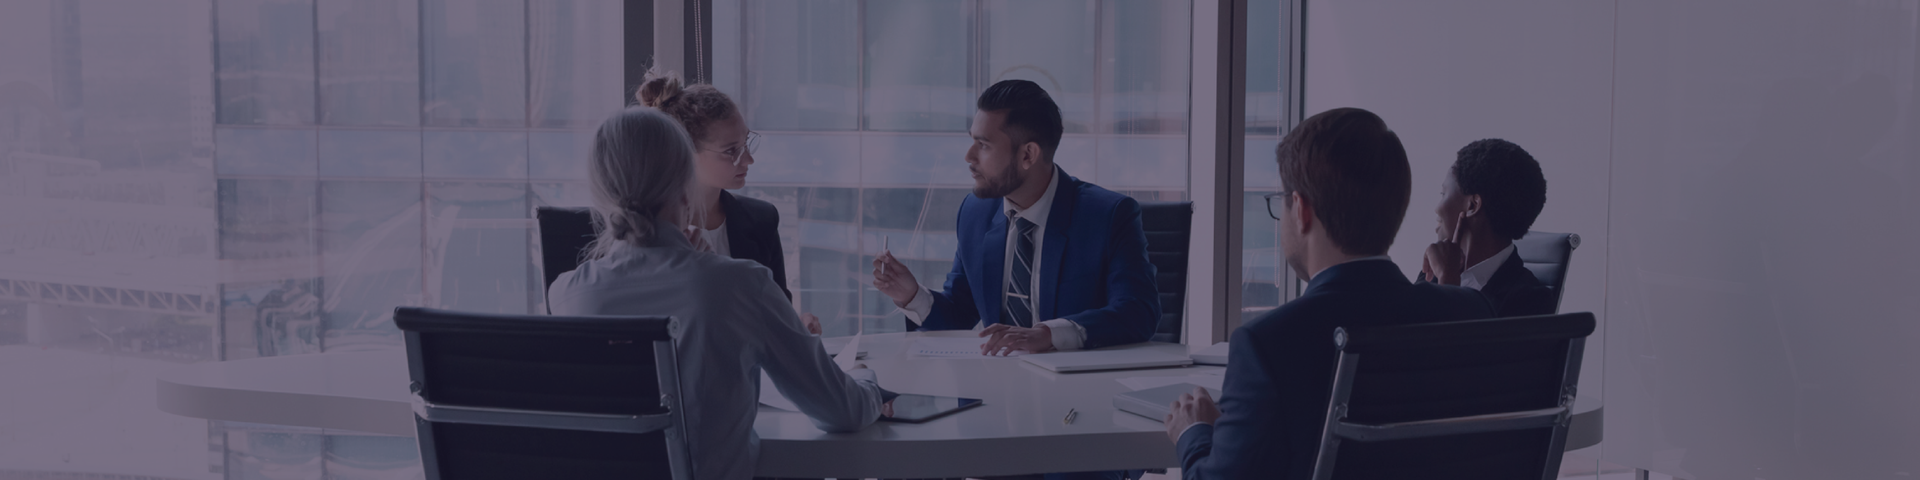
x=735, y=226
x=732, y=322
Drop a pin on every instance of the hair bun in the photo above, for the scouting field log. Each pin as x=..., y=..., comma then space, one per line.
x=658, y=89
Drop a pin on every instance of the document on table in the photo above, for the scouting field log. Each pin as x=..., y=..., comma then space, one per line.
x=1142, y=383
x=770, y=396
x=849, y=354
x=950, y=347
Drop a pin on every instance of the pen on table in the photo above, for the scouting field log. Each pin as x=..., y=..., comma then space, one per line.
x=1069, y=419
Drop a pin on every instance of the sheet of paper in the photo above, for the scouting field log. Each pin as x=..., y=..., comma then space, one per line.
x=771, y=396
x=1143, y=383
x=834, y=345
x=849, y=355
x=950, y=347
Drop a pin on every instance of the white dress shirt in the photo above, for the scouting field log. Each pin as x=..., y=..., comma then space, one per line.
x=1066, y=334
x=716, y=241
x=1479, y=274
x=733, y=322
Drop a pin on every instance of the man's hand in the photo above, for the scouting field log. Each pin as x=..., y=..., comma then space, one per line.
x=894, y=280
x=1445, y=259
x=1007, y=338
x=1191, y=408
x=811, y=322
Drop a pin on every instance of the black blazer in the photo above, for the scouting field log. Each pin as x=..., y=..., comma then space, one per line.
x=1280, y=368
x=753, y=233
x=1514, y=291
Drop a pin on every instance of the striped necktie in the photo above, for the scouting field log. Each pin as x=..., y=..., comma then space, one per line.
x=1017, y=305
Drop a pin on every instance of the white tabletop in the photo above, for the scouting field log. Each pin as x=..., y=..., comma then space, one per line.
x=1018, y=430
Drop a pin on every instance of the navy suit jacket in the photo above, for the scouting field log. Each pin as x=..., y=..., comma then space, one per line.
x=1280, y=368
x=1093, y=266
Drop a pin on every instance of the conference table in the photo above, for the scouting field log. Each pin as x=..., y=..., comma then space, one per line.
x=1021, y=427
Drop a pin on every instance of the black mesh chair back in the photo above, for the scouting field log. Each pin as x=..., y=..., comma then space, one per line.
x=526, y=396
x=1546, y=254
x=1169, y=229
x=1470, y=400
x=564, y=234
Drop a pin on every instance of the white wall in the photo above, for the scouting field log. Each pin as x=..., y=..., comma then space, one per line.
x=1745, y=176
x=1444, y=74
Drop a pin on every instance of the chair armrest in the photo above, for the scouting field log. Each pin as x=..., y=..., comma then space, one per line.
x=504, y=417
x=1493, y=422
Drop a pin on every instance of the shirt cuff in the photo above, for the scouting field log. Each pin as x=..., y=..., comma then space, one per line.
x=1067, y=336
x=864, y=375
x=1183, y=432
x=921, y=306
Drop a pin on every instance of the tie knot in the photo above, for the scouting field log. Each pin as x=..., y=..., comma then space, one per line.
x=1023, y=224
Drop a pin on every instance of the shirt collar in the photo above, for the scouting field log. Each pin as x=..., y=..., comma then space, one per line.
x=1476, y=276
x=1037, y=213
x=666, y=236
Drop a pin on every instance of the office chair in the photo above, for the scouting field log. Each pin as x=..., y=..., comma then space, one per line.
x=564, y=233
x=536, y=396
x=1474, y=399
x=1169, y=229
x=1546, y=254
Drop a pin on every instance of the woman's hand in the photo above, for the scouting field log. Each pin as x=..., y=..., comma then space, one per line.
x=811, y=322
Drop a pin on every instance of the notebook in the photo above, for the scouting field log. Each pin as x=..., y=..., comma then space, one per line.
x=1106, y=360
x=1152, y=403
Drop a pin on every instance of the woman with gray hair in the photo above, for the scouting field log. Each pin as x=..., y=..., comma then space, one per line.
x=734, y=321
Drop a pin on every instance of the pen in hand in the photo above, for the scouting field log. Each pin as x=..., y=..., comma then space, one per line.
x=885, y=247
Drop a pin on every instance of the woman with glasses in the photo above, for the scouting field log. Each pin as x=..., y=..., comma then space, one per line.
x=735, y=226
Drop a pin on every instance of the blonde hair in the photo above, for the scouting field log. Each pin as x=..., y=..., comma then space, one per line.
x=641, y=164
x=695, y=106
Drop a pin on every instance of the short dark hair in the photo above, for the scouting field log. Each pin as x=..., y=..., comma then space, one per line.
x=1354, y=171
x=1031, y=114
x=1511, y=187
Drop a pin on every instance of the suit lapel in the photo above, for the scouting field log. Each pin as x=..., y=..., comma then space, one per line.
x=1059, y=223
x=994, y=244
x=1507, y=277
x=740, y=236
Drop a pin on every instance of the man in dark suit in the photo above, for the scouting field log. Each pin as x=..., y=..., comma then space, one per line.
x=1347, y=184
x=1046, y=261
x=1490, y=198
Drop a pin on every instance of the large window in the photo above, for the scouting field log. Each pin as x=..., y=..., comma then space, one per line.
x=204, y=180
x=375, y=153
x=865, y=107
x=1265, y=279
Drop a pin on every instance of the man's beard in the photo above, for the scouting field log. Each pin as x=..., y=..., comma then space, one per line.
x=996, y=187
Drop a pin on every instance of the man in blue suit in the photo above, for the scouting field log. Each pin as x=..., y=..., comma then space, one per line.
x=1046, y=261
x=1347, y=184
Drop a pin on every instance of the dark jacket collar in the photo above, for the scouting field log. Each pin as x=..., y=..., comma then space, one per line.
x=1357, y=275
x=1512, y=274
x=740, y=226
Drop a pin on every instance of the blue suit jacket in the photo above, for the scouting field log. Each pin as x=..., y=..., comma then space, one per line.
x=1280, y=368
x=1093, y=267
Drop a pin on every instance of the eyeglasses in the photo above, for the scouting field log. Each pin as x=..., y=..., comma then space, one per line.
x=741, y=151
x=1274, y=208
